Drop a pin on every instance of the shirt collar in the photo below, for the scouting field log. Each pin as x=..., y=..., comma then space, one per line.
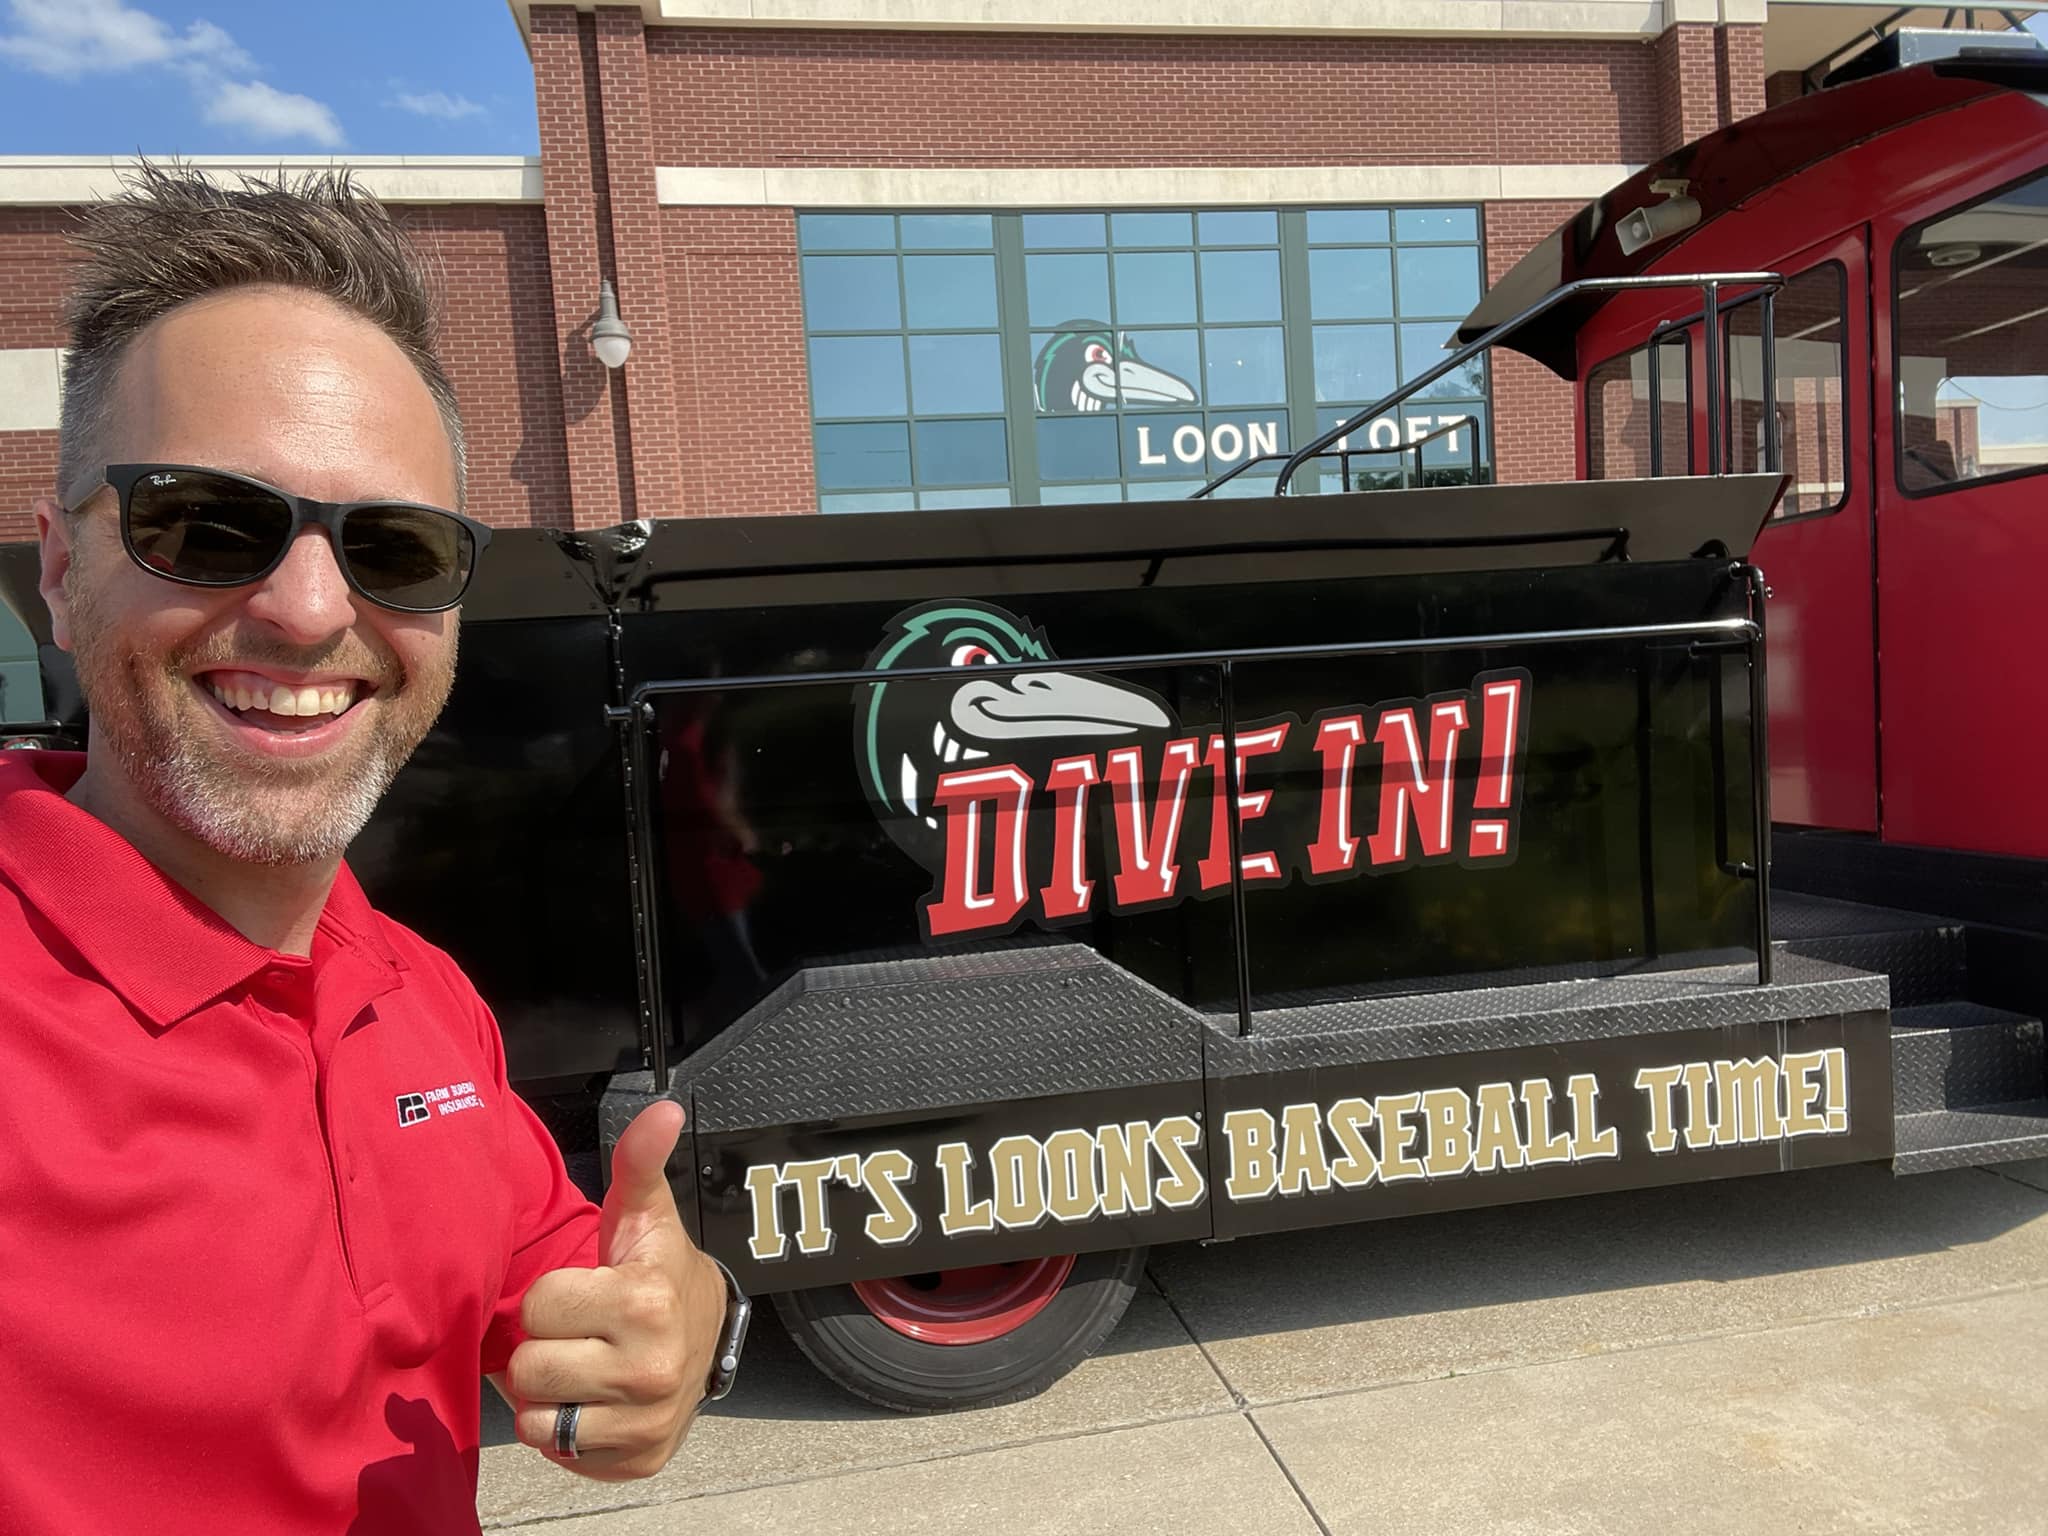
x=162, y=949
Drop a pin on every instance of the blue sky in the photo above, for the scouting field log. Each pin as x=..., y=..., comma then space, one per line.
x=229, y=77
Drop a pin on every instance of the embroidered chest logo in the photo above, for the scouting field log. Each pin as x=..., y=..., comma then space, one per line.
x=451, y=1100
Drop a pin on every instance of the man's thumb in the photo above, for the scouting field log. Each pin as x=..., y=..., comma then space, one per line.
x=639, y=1198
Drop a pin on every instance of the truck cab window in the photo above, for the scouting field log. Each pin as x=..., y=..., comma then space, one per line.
x=1971, y=337
x=1807, y=326
x=1618, y=414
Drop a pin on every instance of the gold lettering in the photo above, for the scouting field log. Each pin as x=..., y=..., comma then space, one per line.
x=1448, y=1114
x=882, y=1173
x=1359, y=1165
x=960, y=1212
x=1397, y=1136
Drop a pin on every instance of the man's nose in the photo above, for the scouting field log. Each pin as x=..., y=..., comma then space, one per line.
x=305, y=599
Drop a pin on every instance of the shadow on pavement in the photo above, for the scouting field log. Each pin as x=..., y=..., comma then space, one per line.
x=1718, y=1232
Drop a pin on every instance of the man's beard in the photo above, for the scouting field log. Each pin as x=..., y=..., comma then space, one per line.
x=149, y=712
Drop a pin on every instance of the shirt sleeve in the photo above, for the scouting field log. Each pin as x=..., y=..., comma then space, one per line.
x=553, y=1225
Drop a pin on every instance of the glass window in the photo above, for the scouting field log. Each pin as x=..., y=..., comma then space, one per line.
x=1971, y=341
x=856, y=376
x=1241, y=226
x=952, y=376
x=1245, y=365
x=851, y=293
x=1128, y=229
x=901, y=501
x=1058, y=229
x=1088, y=355
x=1077, y=448
x=985, y=496
x=1058, y=289
x=1618, y=414
x=947, y=232
x=1347, y=226
x=1439, y=280
x=1351, y=285
x=1807, y=354
x=1155, y=288
x=1354, y=362
x=1240, y=285
x=962, y=453
x=1436, y=224
x=846, y=232
x=1423, y=347
x=950, y=292
x=859, y=455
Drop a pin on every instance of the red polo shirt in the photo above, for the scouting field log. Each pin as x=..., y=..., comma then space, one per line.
x=263, y=1220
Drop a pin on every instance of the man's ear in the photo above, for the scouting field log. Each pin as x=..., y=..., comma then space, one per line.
x=53, y=533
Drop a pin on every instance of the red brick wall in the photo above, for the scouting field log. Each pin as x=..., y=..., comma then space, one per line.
x=1786, y=85
x=757, y=97
x=33, y=256
x=740, y=374
x=1706, y=78
x=28, y=469
x=1532, y=407
x=498, y=345
x=577, y=188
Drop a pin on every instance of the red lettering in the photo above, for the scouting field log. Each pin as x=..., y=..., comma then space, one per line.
x=1500, y=724
x=1406, y=791
x=1214, y=869
x=1146, y=870
x=1070, y=890
x=1337, y=742
x=962, y=905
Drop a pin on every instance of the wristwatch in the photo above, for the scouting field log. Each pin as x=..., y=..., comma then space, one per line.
x=725, y=1361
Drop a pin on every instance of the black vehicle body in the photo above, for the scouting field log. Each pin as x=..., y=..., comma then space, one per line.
x=1559, y=984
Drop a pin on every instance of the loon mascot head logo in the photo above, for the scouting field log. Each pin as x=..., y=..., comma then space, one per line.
x=910, y=732
x=1087, y=367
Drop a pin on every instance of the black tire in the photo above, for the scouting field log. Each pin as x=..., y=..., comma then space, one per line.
x=856, y=1349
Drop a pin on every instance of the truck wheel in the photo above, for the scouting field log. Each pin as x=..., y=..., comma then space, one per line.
x=963, y=1338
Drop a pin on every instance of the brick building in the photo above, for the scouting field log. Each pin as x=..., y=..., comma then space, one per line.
x=892, y=253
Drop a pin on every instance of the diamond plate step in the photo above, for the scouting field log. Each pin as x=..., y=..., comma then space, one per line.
x=1954, y=1055
x=1965, y=1138
x=1924, y=956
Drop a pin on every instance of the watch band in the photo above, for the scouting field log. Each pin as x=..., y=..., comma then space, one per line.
x=732, y=1338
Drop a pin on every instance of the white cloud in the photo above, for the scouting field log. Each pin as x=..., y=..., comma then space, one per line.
x=265, y=110
x=71, y=38
x=435, y=104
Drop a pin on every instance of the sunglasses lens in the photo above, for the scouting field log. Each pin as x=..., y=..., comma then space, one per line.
x=408, y=557
x=193, y=526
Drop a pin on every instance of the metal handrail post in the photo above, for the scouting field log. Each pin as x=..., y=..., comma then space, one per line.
x=1710, y=323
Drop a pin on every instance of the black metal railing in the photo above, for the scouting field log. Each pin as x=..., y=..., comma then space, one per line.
x=636, y=715
x=1710, y=285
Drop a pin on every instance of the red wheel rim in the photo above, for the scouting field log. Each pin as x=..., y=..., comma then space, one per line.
x=966, y=1306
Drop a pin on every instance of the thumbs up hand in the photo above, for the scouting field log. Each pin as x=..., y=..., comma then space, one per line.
x=632, y=1340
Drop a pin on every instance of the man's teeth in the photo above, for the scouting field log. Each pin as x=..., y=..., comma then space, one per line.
x=281, y=700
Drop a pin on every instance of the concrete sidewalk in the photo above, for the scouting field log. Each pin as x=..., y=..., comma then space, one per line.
x=1813, y=1352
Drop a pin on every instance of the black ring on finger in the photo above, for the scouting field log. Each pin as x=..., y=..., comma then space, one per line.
x=566, y=1417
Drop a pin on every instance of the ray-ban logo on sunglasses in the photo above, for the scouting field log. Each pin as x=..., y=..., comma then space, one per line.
x=163, y=479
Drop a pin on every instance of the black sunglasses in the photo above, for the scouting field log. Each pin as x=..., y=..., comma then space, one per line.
x=209, y=528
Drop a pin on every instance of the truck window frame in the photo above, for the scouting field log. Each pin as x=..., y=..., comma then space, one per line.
x=1679, y=335
x=1909, y=233
x=1841, y=433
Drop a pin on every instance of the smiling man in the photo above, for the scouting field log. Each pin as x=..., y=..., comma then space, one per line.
x=268, y=1207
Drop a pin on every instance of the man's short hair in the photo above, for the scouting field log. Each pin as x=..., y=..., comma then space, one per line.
x=173, y=235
